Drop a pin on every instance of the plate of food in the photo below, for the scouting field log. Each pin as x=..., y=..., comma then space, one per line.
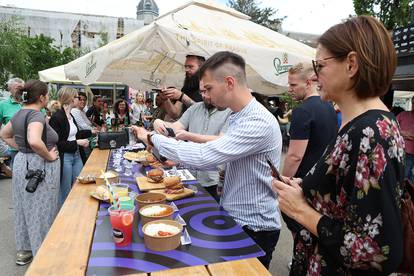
x=86, y=179
x=101, y=193
x=139, y=156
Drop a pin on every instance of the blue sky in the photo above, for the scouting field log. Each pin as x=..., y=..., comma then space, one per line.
x=309, y=16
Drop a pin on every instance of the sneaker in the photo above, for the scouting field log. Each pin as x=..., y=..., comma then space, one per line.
x=24, y=257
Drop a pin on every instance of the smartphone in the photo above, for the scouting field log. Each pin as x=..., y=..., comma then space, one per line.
x=170, y=131
x=275, y=172
x=158, y=90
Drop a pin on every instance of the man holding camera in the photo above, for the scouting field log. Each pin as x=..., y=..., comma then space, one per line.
x=200, y=123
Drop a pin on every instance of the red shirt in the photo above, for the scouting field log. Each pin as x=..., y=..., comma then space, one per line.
x=406, y=121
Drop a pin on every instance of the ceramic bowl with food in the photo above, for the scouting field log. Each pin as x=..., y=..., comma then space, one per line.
x=154, y=212
x=150, y=198
x=112, y=176
x=162, y=235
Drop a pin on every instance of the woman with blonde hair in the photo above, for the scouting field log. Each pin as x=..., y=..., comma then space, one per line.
x=53, y=106
x=349, y=202
x=72, y=141
x=138, y=108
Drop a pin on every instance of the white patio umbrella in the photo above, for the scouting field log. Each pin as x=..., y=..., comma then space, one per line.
x=154, y=55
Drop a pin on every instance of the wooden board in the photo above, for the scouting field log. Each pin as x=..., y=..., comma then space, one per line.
x=65, y=250
x=193, y=270
x=246, y=267
x=144, y=185
x=170, y=197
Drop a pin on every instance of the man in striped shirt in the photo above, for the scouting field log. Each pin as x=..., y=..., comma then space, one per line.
x=253, y=136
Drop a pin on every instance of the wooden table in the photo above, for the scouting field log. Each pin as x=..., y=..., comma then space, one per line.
x=66, y=248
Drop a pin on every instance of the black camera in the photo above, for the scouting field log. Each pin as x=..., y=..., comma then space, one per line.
x=34, y=177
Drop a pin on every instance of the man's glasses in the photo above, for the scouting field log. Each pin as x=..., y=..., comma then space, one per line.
x=317, y=67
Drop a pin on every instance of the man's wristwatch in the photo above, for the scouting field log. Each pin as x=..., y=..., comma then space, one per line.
x=181, y=97
x=149, y=135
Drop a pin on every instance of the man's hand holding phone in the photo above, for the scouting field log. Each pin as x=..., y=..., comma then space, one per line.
x=172, y=93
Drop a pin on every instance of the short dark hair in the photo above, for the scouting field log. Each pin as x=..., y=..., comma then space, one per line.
x=148, y=101
x=200, y=59
x=83, y=94
x=219, y=59
x=371, y=41
x=32, y=91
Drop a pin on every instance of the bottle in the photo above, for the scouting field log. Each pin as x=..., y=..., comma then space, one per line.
x=139, y=122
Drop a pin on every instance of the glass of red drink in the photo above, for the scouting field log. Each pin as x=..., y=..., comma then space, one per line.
x=121, y=221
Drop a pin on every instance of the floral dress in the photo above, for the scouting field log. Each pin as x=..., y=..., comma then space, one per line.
x=357, y=187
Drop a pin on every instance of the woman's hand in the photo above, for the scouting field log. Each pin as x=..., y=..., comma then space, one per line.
x=83, y=142
x=290, y=196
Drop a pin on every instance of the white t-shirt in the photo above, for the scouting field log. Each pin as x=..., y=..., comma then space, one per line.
x=73, y=130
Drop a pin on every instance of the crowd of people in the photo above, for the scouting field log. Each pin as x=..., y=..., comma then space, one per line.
x=340, y=188
x=50, y=141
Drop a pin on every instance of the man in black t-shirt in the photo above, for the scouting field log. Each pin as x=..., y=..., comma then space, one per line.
x=94, y=112
x=313, y=123
x=178, y=101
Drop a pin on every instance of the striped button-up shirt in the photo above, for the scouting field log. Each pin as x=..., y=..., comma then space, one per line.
x=253, y=135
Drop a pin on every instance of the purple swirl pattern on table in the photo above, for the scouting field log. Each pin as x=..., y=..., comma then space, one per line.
x=188, y=209
x=197, y=223
x=173, y=254
x=223, y=244
x=135, y=264
x=214, y=234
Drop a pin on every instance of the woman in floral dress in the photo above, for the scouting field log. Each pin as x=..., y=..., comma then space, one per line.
x=349, y=202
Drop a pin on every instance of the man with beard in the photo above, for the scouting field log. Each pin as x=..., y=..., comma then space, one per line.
x=178, y=101
x=200, y=123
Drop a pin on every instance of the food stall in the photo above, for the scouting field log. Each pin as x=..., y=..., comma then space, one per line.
x=80, y=239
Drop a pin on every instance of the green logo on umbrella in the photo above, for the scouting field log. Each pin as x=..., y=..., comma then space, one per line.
x=90, y=66
x=281, y=66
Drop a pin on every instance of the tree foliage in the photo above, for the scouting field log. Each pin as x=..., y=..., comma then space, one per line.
x=263, y=16
x=392, y=13
x=22, y=56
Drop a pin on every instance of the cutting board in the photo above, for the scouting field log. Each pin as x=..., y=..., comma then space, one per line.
x=170, y=197
x=145, y=185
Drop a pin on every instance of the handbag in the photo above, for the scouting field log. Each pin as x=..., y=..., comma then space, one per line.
x=113, y=140
x=407, y=220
